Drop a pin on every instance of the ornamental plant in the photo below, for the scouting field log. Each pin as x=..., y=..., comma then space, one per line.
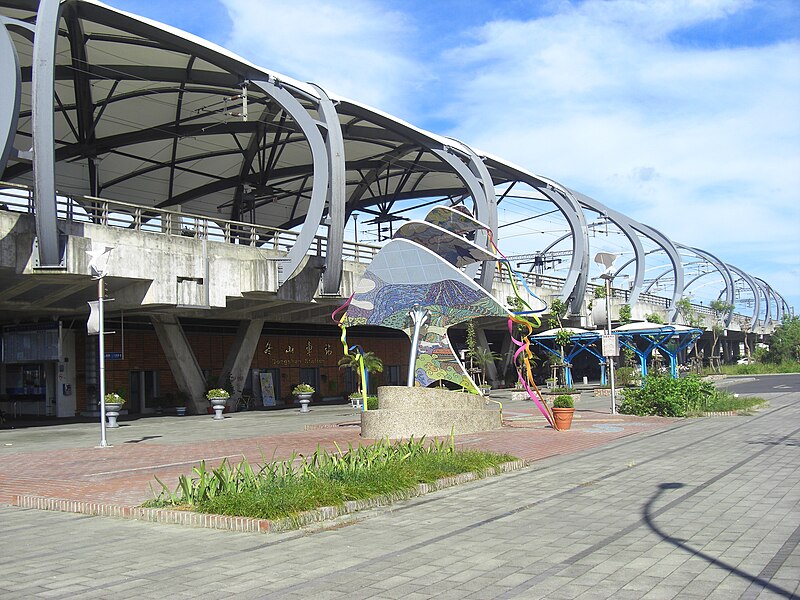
x=302, y=388
x=666, y=397
x=217, y=393
x=563, y=401
x=114, y=398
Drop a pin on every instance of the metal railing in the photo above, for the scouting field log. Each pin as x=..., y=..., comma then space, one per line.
x=75, y=208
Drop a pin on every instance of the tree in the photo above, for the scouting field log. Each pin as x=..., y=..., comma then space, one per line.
x=625, y=315
x=720, y=311
x=692, y=318
x=745, y=324
x=785, y=342
x=485, y=358
x=372, y=364
x=558, y=310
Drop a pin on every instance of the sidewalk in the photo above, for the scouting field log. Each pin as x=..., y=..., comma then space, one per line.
x=63, y=462
x=684, y=509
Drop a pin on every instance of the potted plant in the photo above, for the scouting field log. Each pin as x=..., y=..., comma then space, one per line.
x=180, y=404
x=218, y=398
x=113, y=402
x=563, y=411
x=303, y=393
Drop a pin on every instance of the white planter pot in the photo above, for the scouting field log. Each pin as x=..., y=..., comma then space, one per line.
x=218, y=404
x=112, y=412
x=304, y=399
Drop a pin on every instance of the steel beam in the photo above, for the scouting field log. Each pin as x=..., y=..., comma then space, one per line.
x=624, y=224
x=42, y=93
x=10, y=93
x=335, y=196
x=319, y=190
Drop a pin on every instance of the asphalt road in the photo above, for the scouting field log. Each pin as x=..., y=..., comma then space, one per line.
x=755, y=385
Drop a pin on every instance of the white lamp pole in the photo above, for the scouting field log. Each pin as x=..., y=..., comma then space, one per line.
x=102, y=358
x=97, y=264
x=606, y=260
x=610, y=359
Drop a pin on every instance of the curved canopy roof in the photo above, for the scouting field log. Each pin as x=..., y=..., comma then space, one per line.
x=151, y=115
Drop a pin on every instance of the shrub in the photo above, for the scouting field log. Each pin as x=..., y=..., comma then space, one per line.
x=625, y=376
x=785, y=343
x=302, y=388
x=625, y=314
x=561, y=390
x=114, y=398
x=563, y=401
x=667, y=397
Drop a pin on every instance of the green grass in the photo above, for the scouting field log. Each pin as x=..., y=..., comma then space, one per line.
x=757, y=369
x=281, y=489
x=724, y=401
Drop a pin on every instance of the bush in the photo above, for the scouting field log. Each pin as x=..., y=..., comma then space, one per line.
x=784, y=345
x=666, y=397
x=563, y=401
x=626, y=376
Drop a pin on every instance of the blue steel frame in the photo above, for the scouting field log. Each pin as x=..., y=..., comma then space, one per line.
x=580, y=342
x=656, y=339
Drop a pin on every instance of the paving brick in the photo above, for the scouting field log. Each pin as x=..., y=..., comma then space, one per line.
x=660, y=509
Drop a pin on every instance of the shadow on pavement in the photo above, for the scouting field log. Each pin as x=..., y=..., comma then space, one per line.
x=649, y=514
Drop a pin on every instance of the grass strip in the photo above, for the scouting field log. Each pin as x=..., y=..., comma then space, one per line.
x=277, y=490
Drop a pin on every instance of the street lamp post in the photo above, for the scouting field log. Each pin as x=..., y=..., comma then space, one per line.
x=610, y=343
x=97, y=265
x=102, y=359
x=607, y=277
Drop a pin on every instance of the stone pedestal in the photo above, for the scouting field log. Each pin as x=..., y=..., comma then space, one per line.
x=417, y=411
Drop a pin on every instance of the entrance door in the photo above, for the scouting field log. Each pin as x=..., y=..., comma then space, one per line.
x=143, y=389
x=310, y=375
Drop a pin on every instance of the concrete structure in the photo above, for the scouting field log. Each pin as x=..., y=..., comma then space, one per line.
x=225, y=191
x=405, y=412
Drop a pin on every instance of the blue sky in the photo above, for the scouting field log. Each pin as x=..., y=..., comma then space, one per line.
x=683, y=114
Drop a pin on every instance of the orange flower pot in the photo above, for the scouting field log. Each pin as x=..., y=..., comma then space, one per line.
x=562, y=417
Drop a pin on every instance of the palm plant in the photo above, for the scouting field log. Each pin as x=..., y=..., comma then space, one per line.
x=484, y=357
x=372, y=363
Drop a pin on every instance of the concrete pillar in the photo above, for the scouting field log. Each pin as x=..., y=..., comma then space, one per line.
x=237, y=363
x=182, y=361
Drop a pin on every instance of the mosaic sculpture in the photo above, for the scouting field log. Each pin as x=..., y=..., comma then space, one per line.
x=420, y=270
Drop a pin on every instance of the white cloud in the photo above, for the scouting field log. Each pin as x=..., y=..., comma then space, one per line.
x=703, y=144
x=699, y=140
x=358, y=49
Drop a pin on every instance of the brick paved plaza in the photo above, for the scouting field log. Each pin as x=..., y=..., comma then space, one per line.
x=619, y=507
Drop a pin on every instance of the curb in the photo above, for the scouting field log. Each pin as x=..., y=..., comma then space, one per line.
x=246, y=524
